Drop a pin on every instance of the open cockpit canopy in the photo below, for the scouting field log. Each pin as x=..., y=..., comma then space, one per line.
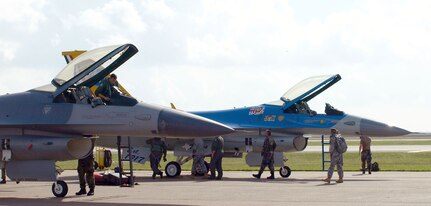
x=306, y=90
x=92, y=66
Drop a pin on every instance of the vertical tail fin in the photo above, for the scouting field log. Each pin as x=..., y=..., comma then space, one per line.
x=70, y=55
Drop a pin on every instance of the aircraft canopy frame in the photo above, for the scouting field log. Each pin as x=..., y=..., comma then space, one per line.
x=306, y=90
x=92, y=66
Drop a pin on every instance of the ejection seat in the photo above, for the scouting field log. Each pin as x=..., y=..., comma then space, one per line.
x=86, y=96
x=330, y=110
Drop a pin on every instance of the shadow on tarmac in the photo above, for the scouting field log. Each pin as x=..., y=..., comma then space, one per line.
x=191, y=178
x=203, y=179
x=59, y=201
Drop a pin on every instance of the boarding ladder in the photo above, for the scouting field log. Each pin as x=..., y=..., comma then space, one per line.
x=325, y=153
x=121, y=171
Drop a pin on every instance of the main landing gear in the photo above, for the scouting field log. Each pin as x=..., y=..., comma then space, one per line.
x=173, y=169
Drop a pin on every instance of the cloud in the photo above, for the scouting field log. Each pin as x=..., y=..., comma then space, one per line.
x=24, y=15
x=246, y=31
x=208, y=48
x=18, y=79
x=7, y=50
x=219, y=54
x=158, y=8
x=111, y=39
x=116, y=15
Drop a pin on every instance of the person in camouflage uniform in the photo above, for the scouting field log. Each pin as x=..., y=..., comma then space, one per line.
x=268, y=149
x=158, y=149
x=86, y=174
x=3, y=176
x=365, y=151
x=336, y=158
x=216, y=158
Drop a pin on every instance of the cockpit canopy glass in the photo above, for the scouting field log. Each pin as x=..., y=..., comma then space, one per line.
x=84, y=61
x=302, y=89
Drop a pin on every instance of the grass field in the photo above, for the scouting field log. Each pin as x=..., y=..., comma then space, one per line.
x=304, y=161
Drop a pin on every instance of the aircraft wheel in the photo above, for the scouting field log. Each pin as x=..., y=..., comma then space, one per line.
x=207, y=169
x=173, y=169
x=285, y=171
x=60, y=188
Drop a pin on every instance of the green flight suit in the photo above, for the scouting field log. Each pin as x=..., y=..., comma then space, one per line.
x=217, y=157
x=85, y=171
x=106, y=89
x=158, y=148
x=267, y=153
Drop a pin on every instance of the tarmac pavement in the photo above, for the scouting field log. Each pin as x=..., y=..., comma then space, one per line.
x=236, y=188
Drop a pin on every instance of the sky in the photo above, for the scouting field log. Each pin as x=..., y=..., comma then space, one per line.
x=221, y=54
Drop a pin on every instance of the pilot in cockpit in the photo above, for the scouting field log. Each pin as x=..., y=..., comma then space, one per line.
x=110, y=93
x=106, y=89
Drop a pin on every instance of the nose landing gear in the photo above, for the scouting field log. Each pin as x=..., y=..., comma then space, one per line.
x=59, y=188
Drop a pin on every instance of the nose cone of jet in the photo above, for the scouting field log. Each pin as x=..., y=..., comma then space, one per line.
x=373, y=128
x=181, y=124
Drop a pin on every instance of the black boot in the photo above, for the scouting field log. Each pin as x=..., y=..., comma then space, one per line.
x=3, y=182
x=91, y=192
x=161, y=175
x=257, y=176
x=369, y=170
x=81, y=192
x=154, y=175
x=271, y=177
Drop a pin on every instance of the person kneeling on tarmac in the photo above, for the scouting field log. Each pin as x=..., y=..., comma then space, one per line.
x=158, y=148
x=268, y=148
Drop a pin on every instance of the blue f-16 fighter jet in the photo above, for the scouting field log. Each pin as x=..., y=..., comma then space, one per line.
x=292, y=115
x=290, y=119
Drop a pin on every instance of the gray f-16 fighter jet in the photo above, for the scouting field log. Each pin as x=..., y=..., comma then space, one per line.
x=58, y=121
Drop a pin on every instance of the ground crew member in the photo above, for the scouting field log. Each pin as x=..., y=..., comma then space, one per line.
x=267, y=153
x=216, y=158
x=198, y=166
x=336, y=157
x=365, y=151
x=158, y=148
x=5, y=145
x=106, y=88
x=86, y=174
x=3, y=176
